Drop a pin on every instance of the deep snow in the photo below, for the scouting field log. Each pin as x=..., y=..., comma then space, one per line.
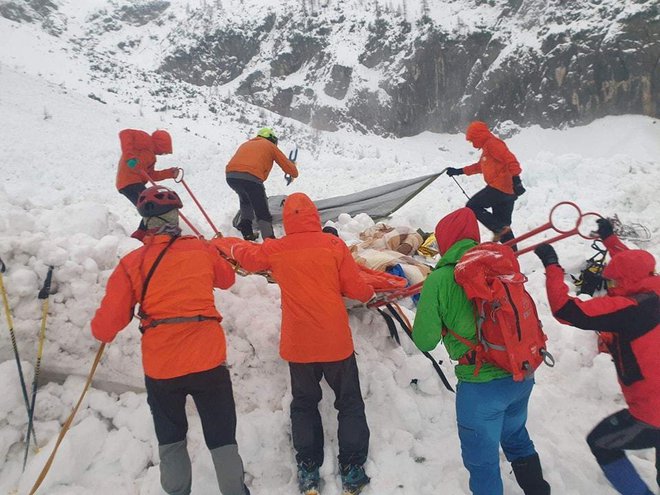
x=59, y=207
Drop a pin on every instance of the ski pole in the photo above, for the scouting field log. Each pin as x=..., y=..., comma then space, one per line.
x=188, y=222
x=10, y=324
x=43, y=295
x=67, y=423
x=459, y=186
x=208, y=219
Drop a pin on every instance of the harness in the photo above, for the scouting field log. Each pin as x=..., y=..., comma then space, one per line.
x=146, y=322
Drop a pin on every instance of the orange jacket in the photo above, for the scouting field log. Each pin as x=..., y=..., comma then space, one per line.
x=256, y=157
x=181, y=286
x=497, y=163
x=314, y=270
x=140, y=146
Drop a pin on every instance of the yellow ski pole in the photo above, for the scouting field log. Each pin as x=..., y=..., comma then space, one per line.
x=10, y=324
x=43, y=295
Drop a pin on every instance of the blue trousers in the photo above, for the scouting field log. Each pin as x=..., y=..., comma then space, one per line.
x=489, y=415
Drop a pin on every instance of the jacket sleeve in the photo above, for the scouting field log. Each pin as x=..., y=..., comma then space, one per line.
x=473, y=169
x=427, y=328
x=249, y=255
x=285, y=164
x=607, y=313
x=224, y=275
x=351, y=282
x=116, y=310
x=614, y=245
x=499, y=151
x=158, y=175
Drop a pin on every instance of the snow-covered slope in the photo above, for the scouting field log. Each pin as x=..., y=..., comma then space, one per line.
x=59, y=207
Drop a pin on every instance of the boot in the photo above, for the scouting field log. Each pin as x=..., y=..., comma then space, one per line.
x=622, y=475
x=308, y=478
x=266, y=229
x=529, y=475
x=353, y=478
x=229, y=470
x=506, y=237
x=245, y=226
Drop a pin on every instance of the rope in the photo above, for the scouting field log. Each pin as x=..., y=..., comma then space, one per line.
x=67, y=423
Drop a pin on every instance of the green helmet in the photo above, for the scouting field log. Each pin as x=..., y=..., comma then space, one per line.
x=267, y=132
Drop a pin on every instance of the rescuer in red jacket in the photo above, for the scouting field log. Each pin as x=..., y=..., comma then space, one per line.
x=501, y=172
x=630, y=313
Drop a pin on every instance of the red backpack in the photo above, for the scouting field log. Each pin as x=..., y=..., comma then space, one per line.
x=509, y=332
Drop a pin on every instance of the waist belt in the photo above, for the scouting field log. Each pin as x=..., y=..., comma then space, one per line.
x=175, y=319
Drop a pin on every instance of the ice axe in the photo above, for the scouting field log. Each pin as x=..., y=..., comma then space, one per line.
x=293, y=156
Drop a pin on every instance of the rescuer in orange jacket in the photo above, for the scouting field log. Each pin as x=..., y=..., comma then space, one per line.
x=246, y=173
x=172, y=278
x=501, y=172
x=138, y=157
x=314, y=270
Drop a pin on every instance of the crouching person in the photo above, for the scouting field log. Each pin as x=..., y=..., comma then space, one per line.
x=491, y=408
x=630, y=313
x=172, y=278
x=314, y=270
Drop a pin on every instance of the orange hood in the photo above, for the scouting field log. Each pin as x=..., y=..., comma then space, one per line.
x=162, y=142
x=630, y=270
x=477, y=133
x=300, y=215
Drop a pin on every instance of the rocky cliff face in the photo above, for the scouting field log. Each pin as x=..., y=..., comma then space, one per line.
x=376, y=66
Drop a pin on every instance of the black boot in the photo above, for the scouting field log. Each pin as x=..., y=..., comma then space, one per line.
x=529, y=475
x=245, y=226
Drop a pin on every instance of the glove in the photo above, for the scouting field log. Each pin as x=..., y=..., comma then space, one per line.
x=547, y=255
x=605, y=228
x=132, y=163
x=518, y=188
x=172, y=172
x=451, y=171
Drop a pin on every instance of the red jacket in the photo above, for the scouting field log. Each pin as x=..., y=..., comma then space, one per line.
x=181, y=286
x=140, y=146
x=630, y=313
x=497, y=163
x=256, y=157
x=314, y=270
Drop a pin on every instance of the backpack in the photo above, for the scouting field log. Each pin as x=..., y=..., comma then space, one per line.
x=509, y=332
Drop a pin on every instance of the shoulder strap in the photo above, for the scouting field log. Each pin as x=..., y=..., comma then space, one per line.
x=147, y=279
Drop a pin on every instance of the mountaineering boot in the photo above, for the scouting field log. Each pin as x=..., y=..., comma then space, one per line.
x=506, y=237
x=229, y=470
x=529, y=475
x=245, y=226
x=353, y=478
x=266, y=229
x=497, y=235
x=308, y=478
x=175, y=468
x=622, y=475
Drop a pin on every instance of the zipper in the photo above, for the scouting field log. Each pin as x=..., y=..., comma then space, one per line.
x=515, y=312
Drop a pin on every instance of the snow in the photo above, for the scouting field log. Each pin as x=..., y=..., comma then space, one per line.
x=59, y=208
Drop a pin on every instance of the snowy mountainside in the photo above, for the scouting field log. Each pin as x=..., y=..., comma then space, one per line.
x=394, y=67
x=59, y=207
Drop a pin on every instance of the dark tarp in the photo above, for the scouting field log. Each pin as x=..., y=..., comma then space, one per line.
x=377, y=202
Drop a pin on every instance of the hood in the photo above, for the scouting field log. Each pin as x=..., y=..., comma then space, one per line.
x=458, y=225
x=628, y=269
x=162, y=142
x=477, y=133
x=300, y=215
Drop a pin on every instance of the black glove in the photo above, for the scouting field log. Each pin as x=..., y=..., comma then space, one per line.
x=547, y=255
x=518, y=188
x=451, y=171
x=605, y=228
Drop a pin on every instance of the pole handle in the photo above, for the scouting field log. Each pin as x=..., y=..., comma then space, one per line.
x=45, y=290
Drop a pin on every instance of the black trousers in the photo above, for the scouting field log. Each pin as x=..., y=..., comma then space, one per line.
x=353, y=434
x=619, y=432
x=212, y=392
x=252, y=200
x=500, y=203
x=132, y=192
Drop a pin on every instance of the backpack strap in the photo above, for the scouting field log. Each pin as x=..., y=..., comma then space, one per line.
x=473, y=354
x=141, y=313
